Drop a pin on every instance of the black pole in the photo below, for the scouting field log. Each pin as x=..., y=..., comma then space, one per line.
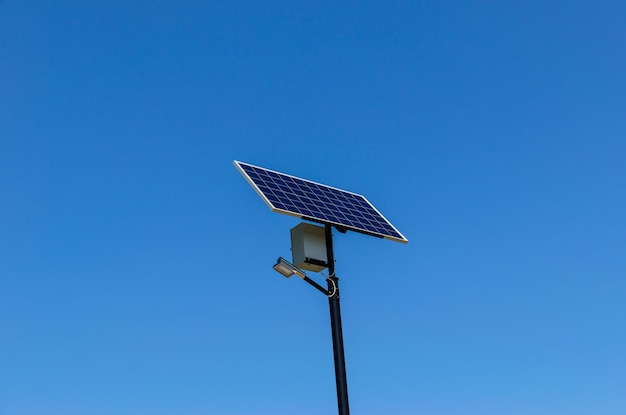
x=335, y=324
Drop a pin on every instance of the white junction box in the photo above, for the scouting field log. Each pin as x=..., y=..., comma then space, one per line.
x=308, y=247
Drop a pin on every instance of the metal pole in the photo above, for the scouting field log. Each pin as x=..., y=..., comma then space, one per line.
x=335, y=324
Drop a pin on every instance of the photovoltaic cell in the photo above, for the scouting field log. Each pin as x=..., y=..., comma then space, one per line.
x=319, y=203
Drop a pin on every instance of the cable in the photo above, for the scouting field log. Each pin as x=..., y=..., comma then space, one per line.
x=330, y=278
x=334, y=287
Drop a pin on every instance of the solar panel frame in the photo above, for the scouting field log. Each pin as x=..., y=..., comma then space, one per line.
x=332, y=206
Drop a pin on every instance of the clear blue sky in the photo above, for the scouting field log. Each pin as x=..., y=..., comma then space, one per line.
x=135, y=261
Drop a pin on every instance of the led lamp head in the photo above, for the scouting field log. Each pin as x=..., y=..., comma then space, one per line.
x=287, y=269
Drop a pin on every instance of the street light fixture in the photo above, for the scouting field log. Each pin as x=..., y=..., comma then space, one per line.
x=312, y=246
x=287, y=269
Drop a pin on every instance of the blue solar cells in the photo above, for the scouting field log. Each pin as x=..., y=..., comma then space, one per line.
x=318, y=203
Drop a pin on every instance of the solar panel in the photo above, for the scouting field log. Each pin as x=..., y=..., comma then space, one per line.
x=318, y=203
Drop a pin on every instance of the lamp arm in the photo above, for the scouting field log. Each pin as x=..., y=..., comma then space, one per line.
x=316, y=285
